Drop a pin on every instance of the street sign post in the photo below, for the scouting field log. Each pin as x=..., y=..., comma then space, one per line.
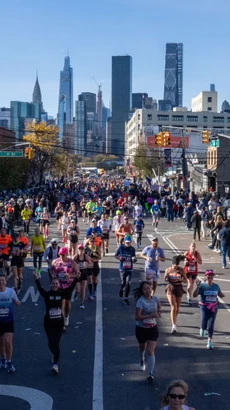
x=11, y=154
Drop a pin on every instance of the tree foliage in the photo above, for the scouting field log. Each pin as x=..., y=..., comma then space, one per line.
x=147, y=158
x=48, y=152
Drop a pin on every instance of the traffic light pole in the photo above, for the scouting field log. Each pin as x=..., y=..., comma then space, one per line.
x=184, y=163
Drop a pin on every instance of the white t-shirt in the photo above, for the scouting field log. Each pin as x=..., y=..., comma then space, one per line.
x=104, y=225
x=147, y=307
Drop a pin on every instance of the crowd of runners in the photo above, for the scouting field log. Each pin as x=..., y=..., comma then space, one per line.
x=107, y=208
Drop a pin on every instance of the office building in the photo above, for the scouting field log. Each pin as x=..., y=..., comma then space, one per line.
x=121, y=101
x=225, y=107
x=212, y=87
x=205, y=101
x=5, y=114
x=80, y=128
x=65, y=102
x=164, y=105
x=138, y=100
x=90, y=101
x=22, y=112
x=173, y=84
x=148, y=122
x=37, y=95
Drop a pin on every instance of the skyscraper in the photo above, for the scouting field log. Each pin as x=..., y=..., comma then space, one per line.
x=121, y=101
x=80, y=127
x=138, y=100
x=37, y=95
x=173, y=86
x=65, y=102
x=22, y=112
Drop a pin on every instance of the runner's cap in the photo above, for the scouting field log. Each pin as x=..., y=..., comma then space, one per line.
x=127, y=238
x=63, y=251
x=155, y=239
x=80, y=246
x=118, y=212
x=209, y=272
x=54, y=241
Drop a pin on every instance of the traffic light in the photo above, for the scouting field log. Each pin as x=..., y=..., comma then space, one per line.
x=166, y=139
x=27, y=151
x=205, y=137
x=158, y=139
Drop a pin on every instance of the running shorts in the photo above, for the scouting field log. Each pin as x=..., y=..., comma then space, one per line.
x=143, y=334
x=18, y=261
x=6, y=327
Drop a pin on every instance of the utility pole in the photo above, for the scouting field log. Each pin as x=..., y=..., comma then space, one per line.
x=184, y=162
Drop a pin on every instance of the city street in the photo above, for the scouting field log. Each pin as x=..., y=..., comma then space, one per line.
x=99, y=367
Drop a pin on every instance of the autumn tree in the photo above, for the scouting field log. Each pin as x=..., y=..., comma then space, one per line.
x=44, y=140
x=147, y=158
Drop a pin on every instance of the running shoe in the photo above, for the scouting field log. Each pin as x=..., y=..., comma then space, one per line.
x=82, y=306
x=201, y=333
x=107, y=251
x=174, y=329
x=3, y=364
x=150, y=378
x=142, y=365
x=66, y=320
x=126, y=302
x=10, y=368
x=55, y=369
x=90, y=297
x=94, y=294
x=121, y=293
x=189, y=302
x=210, y=345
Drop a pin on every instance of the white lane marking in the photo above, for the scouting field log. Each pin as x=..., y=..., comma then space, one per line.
x=222, y=280
x=98, y=351
x=31, y=292
x=176, y=250
x=37, y=399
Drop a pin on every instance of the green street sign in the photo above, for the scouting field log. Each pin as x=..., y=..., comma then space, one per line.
x=11, y=154
x=214, y=143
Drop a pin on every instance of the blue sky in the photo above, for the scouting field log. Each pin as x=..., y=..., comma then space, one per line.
x=36, y=35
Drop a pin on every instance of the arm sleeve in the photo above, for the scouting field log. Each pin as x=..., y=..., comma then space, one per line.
x=41, y=290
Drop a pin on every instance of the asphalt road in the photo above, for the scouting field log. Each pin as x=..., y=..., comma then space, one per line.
x=102, y=337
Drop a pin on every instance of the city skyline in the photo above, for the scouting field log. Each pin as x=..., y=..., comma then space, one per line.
x=205, y=57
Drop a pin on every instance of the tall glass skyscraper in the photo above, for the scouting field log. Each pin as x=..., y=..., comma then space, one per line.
x=173, y=86
x=65, y=102
x=37, y=95
x=121, y=101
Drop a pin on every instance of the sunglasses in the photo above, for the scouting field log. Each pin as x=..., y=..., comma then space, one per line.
x=177, y=396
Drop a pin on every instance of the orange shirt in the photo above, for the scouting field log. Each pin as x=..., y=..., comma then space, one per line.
x=5, y=242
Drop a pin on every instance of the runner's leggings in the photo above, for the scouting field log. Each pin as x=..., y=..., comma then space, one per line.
x=54, y=335
x=207, y=319
x=125, y=281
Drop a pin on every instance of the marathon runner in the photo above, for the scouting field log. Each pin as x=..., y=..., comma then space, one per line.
x=126, y=254
x=51, y=253
x=94, y=252
x=117, y=221
x=155, y=211
x=104, y=225
x=37, y=250
x=53, y=319
x=192, y=260
x=138, y=229
x=83, y=262
x=17, y=261
x=5, y=247
x=8, y=298
x=152, y=255
x=65, y=269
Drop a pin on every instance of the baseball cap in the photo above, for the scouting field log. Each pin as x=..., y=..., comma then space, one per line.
x=54, y=241
x=80, y=246
x=10, y=209
x=63, y=251
x=209, y=272
x=93, y=220
x=118, y=212
x=155, y=238
x=73, y=220
x=127, y=238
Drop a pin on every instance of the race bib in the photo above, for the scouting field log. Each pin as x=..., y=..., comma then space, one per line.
x=104, y=229
x=55, y=313
x=191, y=267
x=211, y=299
x=127, y=265
x=4, y=312
x=149, y=322
x=81, y=265
x=37, y=248
x=62, y=276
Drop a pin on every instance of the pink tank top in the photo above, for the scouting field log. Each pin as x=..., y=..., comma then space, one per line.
x=63, y=272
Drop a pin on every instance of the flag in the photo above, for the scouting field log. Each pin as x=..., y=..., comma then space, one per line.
x=148, y=180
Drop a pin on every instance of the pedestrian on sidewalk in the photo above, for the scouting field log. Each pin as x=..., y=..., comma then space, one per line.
x=224, y=235
x=196, y=224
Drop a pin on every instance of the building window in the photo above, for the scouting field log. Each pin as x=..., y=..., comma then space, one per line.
x=228, y=119
x=209, y=99
x=149, y=117
x=177, y=118
x=163, y=117
x=192, y=118
x=205, y=119
x=218, y=119
x=139, y=116
x=209, y=108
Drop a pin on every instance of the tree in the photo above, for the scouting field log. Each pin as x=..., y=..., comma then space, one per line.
x=44, y=140
x=147, y=158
